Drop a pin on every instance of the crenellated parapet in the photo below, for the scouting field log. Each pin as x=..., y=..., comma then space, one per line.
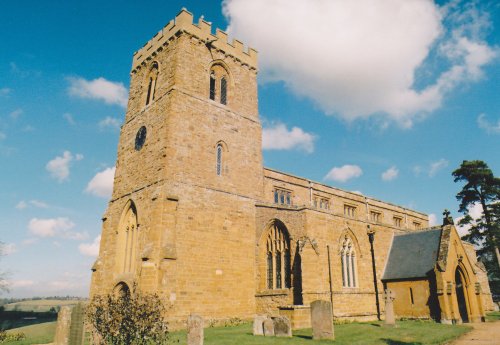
x=183, y=23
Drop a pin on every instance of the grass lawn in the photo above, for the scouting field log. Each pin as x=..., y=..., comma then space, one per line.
x=41, y=333
x=407, y=332
x=494, y=316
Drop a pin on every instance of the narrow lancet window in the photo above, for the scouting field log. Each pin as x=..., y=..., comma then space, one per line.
x=223, y=90
x=212, y=85
x=219, y=160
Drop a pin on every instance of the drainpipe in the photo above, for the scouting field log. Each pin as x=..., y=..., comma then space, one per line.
x=371, y=237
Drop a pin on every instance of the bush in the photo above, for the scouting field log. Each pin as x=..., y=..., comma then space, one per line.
x=130, y=318
x=6, y=337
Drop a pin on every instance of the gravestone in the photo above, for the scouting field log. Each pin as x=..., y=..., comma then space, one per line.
x=322, y=320
x=390, y=296
x=258, y=324
x=69, y=328
x=282, y=326
x=268, y=327
x=195, y=330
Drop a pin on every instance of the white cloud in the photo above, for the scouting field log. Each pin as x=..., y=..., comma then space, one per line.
x=54, y=227
x=69, y=118
x=432, y=168
x=21, y=205
x=59, y=166
x=9, y=248
x=100, y=89
x=359, y=58
x=39, y=204
x=433, y=219
x=278, y=137
x=490, y=128
x=110, y=122
x=102, y=183
x=437, y=166
x=16, y=113
x=90, y=249
x=344, y=173
x=390, y=174
x=475, y=211
x=5, y=91
x=21, y=283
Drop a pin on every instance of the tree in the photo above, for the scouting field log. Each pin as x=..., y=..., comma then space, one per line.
x=483, y=188
x=128, y=318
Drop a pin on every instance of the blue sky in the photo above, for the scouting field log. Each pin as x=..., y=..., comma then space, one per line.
x=382, y=98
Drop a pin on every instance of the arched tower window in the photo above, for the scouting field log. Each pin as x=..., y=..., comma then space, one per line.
x=152, y=76
x=349, y=263
x=278, y=263
x=219, y=78
x=213, y=80
x=219, y=159
x=223, y=90
x=126, y=251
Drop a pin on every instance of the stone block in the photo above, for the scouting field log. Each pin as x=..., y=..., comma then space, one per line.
x=282, y=326
x=268, y=327
x=258, y=324
x=195, y=330
x=322, y=320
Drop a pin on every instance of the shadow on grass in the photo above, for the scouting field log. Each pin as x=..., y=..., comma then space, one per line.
x=309, y=337
x=398, y=342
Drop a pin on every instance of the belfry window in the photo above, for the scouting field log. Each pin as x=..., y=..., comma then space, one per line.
x=212, y=85
x=278, y=258
x=219, y=160
x=127, y=240
x=223, y=90
x=349, y=263
x=153, y=75
x=218, y=84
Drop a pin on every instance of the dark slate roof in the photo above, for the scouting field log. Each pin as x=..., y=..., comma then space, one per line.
x=413, y=255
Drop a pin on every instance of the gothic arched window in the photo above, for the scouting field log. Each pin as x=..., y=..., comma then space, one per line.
x=349, y=263
x=127, y=240
x=278, y=258
x=152, y=76
x=218, y=78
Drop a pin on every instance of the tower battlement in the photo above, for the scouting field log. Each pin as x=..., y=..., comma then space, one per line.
x=183, y=22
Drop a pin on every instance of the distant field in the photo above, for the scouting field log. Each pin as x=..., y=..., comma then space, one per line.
x=42, y=305
x=42, y=333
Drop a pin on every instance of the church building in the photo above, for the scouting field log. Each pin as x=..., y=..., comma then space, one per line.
x=195, y=217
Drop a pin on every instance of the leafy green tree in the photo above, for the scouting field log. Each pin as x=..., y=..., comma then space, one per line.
x=4, y=284
x=483, y=188
x=128, y=318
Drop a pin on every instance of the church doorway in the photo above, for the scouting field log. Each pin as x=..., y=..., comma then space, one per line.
x=461, y=292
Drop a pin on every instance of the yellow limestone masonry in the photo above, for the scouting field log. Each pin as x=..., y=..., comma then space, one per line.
x=196, y=218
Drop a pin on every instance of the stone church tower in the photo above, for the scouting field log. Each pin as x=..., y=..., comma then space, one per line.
x=196, y=218
x=181, y=220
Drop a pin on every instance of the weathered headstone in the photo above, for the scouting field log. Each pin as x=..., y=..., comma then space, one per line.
x=195, y=330
x=322, y=320
x=268, y=326
x=69, y=328
x=258, y=324
x=390, y=296
x=282, y=326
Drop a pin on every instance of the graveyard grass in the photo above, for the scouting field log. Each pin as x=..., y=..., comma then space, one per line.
x=407, y=333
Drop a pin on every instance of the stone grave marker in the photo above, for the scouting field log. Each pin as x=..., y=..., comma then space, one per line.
x=268, y=327
x=258, y=324
x=195, y=330
x=282, y=326
x=390, y=296
x=322, y=320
